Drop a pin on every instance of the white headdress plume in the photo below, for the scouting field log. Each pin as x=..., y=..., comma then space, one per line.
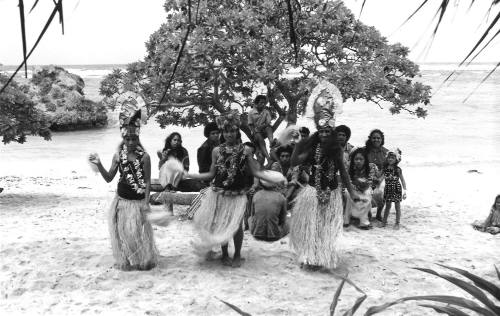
x=324, y=104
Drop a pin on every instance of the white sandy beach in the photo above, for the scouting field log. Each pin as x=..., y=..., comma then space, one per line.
x=56, y=255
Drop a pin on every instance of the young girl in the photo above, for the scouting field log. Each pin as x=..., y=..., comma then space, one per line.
x=393, y=193
x=492, y=222
x=363, y=174
x=131, y=235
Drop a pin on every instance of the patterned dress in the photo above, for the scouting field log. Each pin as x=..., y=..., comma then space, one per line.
x=392, y=190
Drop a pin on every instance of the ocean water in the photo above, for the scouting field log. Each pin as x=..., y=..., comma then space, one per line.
x=453, y=134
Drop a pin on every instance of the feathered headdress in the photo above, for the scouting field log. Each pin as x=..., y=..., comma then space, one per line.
x=131, y=113
x=324, y=104
x=229, y=119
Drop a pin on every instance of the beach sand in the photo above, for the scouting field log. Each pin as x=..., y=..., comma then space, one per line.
x=56, y=255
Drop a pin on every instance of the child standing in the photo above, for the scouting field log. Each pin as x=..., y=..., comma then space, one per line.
x=259, y=122
x=393, y=193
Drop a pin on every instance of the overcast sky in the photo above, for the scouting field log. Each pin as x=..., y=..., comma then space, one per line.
x=114, y=31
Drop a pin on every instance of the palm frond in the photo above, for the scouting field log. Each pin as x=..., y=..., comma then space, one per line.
x=449, y=310
x=498, y=272
x=493, y=23
x=184, y=40
x=42, y=33
x=293, y=38
x=480, y=282
x=362, y=7
x=34, y=5
x=235, y=308
x=336, y=296
x=469, y=288
x=23, y=34
x=477, y=87
x=446, y=299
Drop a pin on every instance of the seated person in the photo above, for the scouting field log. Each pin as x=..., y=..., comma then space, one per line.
x=492, y=223
x=259, y=122
x=268, y=214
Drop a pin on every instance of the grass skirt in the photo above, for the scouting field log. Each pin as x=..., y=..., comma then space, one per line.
x=315, y=229
x=218, y=218
x=131, y=235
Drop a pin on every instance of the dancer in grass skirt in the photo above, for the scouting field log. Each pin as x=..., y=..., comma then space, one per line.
x=317, y=218
x=131, y=234
x=220, y=215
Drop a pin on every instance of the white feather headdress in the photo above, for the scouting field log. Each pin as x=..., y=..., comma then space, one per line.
x=324, y=104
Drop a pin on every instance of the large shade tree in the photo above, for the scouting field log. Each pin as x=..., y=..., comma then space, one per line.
x=236, y=48
x=19, y=115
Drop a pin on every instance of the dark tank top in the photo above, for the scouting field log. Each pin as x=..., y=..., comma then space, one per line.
x=325, y=169
x=231, y=168
x=124, y=189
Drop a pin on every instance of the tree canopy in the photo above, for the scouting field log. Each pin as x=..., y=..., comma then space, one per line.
x=20, y=117
x=236, y=48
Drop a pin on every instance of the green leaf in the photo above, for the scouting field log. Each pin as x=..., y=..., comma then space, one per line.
x=235, y=308
x=453, y=300
x=333, y=305
x=449, y=310
x=480, y=282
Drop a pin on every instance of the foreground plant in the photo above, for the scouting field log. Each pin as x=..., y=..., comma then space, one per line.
x=481, y=305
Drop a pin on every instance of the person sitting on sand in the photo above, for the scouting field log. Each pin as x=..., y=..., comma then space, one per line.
x=219, y=217
x=492, y=223
x=268, y=214
x=362, y=174
x=204, y=154
x=131, y=234
x=173, y=149
x=259, y=122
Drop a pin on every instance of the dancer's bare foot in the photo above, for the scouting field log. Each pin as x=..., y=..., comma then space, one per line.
x=226, y=261
x=396, y=226
x=237, y=262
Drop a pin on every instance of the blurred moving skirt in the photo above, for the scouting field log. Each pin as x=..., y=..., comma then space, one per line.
x=316, y=228
x=218, y=218
x=131, y=235
x=159, y=216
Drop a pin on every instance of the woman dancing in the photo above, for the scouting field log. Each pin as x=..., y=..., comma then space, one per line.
x=131, y=234
x=220, y=215
x=317, y=212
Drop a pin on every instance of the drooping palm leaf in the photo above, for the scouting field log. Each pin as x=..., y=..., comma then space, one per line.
x=235, y=308
x=34, y=5
x=184, y=40
x=477, y=87
x=293, y=38
x=493, y=23
x=336, y=296
x=362, y=7
x=469, y=288
x=23, y=34
x=42, y=33
x=447, y=299
x=485, y=45
x=498, y=272
x=480, y=282
x=449, y=310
